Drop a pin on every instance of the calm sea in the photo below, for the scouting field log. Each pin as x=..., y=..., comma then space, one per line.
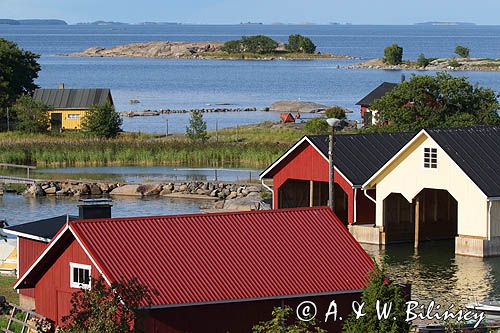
x=177, y=84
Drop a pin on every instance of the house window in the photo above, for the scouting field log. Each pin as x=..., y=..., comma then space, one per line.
x=73, y=116
x=79, y=276
x=430, y=158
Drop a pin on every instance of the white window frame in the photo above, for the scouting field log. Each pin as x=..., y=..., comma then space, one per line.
x=433, y=161
x=73, y=284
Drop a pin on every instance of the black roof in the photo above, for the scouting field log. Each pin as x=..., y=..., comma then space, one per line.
x=46, y=228
x=377, y=93
x=359, y=156
x=73, y=98
x=476, y=150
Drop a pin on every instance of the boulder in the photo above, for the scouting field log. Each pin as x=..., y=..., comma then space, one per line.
x=165, y=191
x=130, y=190
x=250, y=202
x=35, y=190
x=50, y=190
x=84, y=189
x=95, y=189
x=150, y=189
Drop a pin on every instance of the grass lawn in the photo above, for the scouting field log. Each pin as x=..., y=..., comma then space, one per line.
x=6, y=283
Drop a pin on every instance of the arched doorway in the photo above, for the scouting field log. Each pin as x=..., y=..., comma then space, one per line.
x=398, y=219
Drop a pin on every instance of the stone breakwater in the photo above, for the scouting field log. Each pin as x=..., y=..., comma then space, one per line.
x=147, y=113
x=214, y=190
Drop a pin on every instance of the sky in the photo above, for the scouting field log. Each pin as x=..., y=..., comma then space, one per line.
x=266, y=11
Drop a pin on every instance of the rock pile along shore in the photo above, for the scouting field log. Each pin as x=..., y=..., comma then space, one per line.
x=224, y=195
x=146, y=113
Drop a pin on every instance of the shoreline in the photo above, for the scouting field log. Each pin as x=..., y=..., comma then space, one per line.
x=439, y=64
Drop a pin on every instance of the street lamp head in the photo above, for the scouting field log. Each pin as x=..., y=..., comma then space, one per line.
x=333, y=122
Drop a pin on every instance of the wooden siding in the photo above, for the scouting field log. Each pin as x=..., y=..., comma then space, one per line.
x=239, y=317
x=53, y=292
x=308, y=164
x=69, y=122
x=28, y=252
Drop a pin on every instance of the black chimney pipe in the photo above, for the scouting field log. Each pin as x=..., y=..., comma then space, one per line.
x=94, y=209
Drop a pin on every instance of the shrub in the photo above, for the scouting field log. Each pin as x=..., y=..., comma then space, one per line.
x=32, y=116
x=197, y=127
x=282, y=322
x=422, y=61
x=299, y=43
x=316, y=126
x=454, y=63
x=393, y=55
x=335, y=112
x=232, y=46
x=462, y=51
x=258, y=44
x=102, y=121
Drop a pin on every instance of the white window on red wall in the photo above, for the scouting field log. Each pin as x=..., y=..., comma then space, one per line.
x=79, y=275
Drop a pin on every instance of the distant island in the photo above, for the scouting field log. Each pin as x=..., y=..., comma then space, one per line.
x=33, y=22
x=446, y=23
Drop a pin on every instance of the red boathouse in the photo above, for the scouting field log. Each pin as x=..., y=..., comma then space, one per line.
x=219, y=272
x=300, y=176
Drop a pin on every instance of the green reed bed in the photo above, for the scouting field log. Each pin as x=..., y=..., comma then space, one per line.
x=45, y=151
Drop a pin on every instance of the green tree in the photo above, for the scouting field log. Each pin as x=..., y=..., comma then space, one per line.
x=197, y=127
x=393, y=55
x=462, y=51
x=283, y=323
x=422, y=61
x=258, y=44
x=232, y=46
x=380, y=288
x=335, y=112
x=105, y=308
x=102, y=121
x=317, y=126
x=437, y=101
x=32, y=116
x=454, y=63
x=18, y=70
x=299, y=43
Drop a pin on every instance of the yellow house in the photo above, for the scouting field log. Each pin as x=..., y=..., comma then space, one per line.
x=69, y=106
x=443, y=184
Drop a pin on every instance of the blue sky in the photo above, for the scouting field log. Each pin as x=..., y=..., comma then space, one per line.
x=267, y=11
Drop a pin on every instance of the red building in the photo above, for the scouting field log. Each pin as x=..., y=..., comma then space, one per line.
x=368, y=116
x=33, y=237
x=219, y=272
x=300, y=176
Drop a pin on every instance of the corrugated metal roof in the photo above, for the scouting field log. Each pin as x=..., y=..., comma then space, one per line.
x=72, y=98
x=377, y=93
x=476, y=150
x=228, y=256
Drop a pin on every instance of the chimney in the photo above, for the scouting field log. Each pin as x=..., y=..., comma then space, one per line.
x=61, y=85
x=94, y=209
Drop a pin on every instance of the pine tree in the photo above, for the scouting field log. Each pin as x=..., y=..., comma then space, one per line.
x=380, y=288
x=102, y=121
x=197, y=128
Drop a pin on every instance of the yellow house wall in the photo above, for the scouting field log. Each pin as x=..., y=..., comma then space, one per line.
x=67, y=122
x=495, y=218
x=408, y=176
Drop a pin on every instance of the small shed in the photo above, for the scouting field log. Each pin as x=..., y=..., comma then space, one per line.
x=287, y=118
x=67, y=107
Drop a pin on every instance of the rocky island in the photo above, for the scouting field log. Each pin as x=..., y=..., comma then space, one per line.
x=205, y=50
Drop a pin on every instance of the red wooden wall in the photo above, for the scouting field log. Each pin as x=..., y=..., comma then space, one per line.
x=27, y=253
x=53, y=292
x=308, y=164
x=240, y=317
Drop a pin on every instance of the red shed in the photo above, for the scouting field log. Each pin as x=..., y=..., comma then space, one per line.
x=300, y=176
x=221, y=272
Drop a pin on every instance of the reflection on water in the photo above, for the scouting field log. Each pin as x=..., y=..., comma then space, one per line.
x=134, y=174
x=436, y=273
x=16, y=209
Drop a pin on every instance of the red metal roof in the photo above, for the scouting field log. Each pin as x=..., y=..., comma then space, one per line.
x=228, y=256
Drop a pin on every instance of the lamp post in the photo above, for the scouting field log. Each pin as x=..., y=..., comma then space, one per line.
x=332, y=122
